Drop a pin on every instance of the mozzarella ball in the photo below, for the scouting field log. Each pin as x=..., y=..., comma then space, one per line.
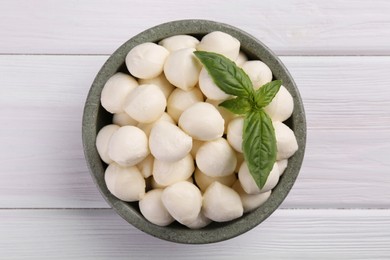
x=115, y=91
x=102, y=141
x=183, y=201
x=248, y=183
x=208, y=87
x=281, y=106
x=286, y=142
x=146, y=166
x=200, y=222
x=250, y=201
x=225, y=113
x=125, y=183
x=258, y=72
x=216, y=158
x=221, y=203
x=221, y=43
x=196, y=144
x=202, y=121
x=203, y=180
x=147, y=127
x=234, y=133
x=240, y=160
x=178, y=42
x=128, y=146
x=241, y=59
x=123, y=119
x=167, y=173
x=153, y=209
x=182, y=68
x=282, y=164
x=169, y=143
x=146, y=103
x=146, y=60
x=180, y=100
x=160, y=81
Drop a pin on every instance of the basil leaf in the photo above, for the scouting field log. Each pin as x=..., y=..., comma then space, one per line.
x=226, y=74
x=259, y=145
x=238, y=105
x=267, y=92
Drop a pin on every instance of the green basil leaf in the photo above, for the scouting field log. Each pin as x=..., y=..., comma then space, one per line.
x=238, y=105
x=226, y=74
x=267, y=92
x=259, y=145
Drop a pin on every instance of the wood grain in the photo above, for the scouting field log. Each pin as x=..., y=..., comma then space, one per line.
x=102, y=234
x=289, y=27
x=346, y=164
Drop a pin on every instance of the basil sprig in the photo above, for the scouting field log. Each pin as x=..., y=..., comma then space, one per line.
x=259, y=142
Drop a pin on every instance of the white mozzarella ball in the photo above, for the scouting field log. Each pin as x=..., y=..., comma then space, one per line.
x=146, y=60
x=182, y=68
x=221, y=203
x=153, y=209
x=102, y=141
x=167, y=173
x=216, y=158
x=178, y=42
x=200, y=222
x=115, y=91
x=146, y=103
x=258, y=72
x=281, y=106
x=180, y=100
x=208, y=87
x=241, y=59
x=282, y=164
x=146, y=166
x=250, y=201
x=248, y=183
x=128, y=146
x=183, y=201
x=169, y=143
x=147, y=127
x=234, y=133
x=160, y=81
x=196, y=144
x=203, y=180
x=125, y=183
x=225, y=113
x=123, y=119
x=221, y=43
x=286, y=142
x=202, y=121
x=240, y=160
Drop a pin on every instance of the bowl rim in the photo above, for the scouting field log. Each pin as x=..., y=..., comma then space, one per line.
x=218, y=231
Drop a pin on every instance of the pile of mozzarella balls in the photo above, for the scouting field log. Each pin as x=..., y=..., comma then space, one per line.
x=171, y=147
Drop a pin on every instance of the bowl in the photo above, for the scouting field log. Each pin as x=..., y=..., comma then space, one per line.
x=95, y=117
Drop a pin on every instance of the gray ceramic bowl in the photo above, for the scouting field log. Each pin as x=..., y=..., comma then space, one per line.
x=95, y=117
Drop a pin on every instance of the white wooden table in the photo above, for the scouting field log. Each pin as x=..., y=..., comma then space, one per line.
x=339, y=54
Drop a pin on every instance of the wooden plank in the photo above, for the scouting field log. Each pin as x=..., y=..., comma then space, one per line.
x=290, y=27
x=347, y=104
x=101, y=234
x=41, y=104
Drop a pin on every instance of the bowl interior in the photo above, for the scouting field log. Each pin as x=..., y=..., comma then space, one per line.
x=95, y=117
